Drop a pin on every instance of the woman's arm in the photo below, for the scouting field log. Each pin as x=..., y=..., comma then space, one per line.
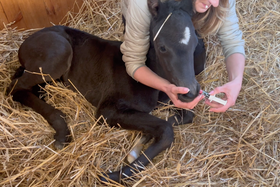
x=149, y=78
x=235, y=68
x=231, y=40
x=137, y=36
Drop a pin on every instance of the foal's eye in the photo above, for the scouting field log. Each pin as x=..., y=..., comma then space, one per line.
x=162, y=49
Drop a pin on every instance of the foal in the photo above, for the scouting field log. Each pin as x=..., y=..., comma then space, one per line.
x=96, y=69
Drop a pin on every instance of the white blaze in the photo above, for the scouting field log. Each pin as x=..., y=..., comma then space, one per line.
x=187, y=36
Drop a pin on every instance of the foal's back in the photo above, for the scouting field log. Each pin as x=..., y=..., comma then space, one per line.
x=93, y=65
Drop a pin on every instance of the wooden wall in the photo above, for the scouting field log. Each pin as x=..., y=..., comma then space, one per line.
x=29, y=14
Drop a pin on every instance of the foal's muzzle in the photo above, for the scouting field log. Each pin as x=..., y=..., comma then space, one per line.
x=190, y=96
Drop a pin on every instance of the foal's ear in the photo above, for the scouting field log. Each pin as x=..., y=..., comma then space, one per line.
x=153, y=6
x=188, y=6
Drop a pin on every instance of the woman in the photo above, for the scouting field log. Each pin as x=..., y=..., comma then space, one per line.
x=221, y=20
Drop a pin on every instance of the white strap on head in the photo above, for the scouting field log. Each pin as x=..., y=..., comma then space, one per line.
x=162, y=26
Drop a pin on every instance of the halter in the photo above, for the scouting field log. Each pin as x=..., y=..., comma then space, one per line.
x=162, y=26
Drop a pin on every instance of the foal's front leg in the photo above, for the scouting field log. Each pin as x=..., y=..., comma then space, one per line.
x=181, y=116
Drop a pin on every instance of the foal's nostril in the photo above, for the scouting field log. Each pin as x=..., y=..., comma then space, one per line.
x=186, y=97
x=190, y=96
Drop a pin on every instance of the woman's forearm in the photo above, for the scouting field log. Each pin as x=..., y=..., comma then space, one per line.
x=146, y=76
x=149, y=78
x=235, y=64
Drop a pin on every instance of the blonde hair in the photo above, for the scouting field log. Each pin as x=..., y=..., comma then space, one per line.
x=209, y=22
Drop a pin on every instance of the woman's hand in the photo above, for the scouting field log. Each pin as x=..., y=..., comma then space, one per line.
x=235, y=64
x=172, y=91
x=149, y=78
x=231, y=91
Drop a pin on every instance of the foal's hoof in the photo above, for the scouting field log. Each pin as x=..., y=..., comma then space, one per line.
x=184, y=117
x=109, y=177
x=59, y=145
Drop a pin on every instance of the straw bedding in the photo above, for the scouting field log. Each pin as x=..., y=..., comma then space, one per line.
x=237, y=148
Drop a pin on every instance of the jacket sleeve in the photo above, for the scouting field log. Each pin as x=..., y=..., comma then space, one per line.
x=136, y=38
x=230, y=35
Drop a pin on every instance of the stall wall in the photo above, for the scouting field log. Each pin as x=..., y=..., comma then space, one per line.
x=29, y=14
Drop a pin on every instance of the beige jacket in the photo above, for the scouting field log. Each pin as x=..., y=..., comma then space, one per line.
x=136, y=38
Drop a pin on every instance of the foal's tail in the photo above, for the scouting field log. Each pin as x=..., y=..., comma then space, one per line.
x=18, y=72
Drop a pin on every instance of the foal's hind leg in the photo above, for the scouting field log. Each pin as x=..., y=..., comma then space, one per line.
x=52, y=52
x=22, y=92
x=54, y=117
x=137, y=148
x=161, y=130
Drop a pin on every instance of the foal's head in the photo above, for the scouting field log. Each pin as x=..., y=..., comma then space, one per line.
x=174, y=40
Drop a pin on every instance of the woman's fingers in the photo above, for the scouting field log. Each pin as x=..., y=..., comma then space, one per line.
x=173, y=92
x=180, y=90
x=216, y=107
